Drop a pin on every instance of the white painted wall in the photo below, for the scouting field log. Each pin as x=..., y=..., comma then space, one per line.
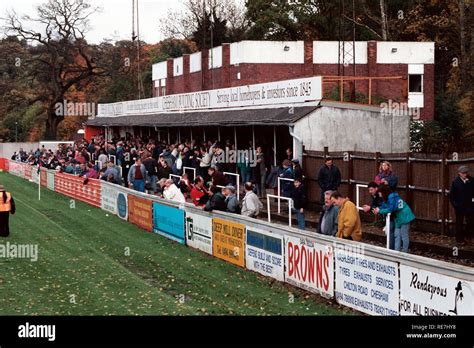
x=7, y=149
x=178, y=66
x=327, y=52
x=350, y=129
x=160, y=71
x=195, y=62
x=267, y=52
x=216, y=60
x=406, y=52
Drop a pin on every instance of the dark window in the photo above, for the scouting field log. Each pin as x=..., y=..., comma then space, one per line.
x=415, y=83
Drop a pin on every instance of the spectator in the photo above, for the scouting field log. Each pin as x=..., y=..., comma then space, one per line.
x=329, y=177
x=137, y=176
x=386, y=176
x=377, y=202
x=103, y=158
x=461, y=196
x=251, y=205
x=199, y=193
x=164, y=169
x=286, y=185
x=244, y=168
x=173, y=193
x=216, y=201
x=231, y=199
x=348, y=219
x=113, y=172
x=185, y=185
x=328, y=219
x=297, y=170
x=217, y=178
x=298, y=195
x=260, y=171
x=289, y=154
x=150, y=166
x=393, y=204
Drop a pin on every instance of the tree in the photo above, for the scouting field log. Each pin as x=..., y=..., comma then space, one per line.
x=207, y=22
x=61, y=57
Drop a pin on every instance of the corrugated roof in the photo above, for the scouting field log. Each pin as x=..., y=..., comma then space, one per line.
x=234, y=117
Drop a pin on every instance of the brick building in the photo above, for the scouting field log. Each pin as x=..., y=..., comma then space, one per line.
x=408, y=67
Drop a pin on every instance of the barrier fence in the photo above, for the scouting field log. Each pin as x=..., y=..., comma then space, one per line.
x=424, y=180
x=367, y=278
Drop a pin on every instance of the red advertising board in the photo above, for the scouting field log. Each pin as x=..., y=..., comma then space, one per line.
x=140, y=212
x=43, y=177
x=27, y=170
x=73, y=186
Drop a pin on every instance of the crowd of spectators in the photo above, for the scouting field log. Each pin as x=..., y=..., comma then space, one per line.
x=158, y=168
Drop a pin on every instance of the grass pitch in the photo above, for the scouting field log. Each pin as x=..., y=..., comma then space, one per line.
x=91, y=263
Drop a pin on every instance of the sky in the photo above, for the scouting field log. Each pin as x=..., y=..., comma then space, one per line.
x=115, y=20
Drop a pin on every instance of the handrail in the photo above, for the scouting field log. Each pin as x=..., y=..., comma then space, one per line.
x=290, y=205
x=279, y=190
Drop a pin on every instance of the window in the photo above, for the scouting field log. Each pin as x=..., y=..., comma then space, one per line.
x=163, y=91
x=415, y=83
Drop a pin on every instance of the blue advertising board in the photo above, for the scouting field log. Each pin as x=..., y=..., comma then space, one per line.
x=169, y=222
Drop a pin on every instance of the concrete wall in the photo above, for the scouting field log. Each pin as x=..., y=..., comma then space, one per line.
x=343, y=127
x=7, y=149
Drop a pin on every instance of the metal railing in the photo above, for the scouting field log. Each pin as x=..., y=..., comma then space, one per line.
x=279, y=190
x=290, y=206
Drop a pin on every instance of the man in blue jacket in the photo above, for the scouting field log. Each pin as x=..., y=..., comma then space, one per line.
x=137, y=176
x=461, y=196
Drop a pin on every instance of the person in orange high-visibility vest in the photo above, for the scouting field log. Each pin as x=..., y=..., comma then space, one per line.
x=7, y=207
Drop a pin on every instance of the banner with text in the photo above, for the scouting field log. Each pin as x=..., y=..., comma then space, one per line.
x=264, y=253
x=365, y=283
x=199, y=232
x=114, y=200
x=309, y=265
x=281, y=92
x=169, y=222
x=228, y=240
x=428, y=293
x=140, y=212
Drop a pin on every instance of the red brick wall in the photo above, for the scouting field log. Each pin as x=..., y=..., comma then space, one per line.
x=227, y=76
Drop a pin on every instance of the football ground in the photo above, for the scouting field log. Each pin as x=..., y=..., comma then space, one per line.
x=93, y=263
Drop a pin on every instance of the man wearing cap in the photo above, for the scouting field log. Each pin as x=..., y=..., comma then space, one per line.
x=231, y=199
x=461, y=196
x=7, y=206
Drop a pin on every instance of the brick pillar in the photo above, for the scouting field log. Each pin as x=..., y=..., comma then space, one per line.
x=225, y=71
x=372, y=68
x=186, y=76
x=170, y=78
x=205, y=69
x=308, y=59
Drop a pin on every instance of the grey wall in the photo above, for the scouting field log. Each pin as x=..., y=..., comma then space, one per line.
x=353, y=128
x=7, y=149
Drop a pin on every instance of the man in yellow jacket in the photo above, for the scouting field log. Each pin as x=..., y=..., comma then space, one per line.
x=348, y=219
x=7, y=207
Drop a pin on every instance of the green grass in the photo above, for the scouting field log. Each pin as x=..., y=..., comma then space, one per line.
x=82, y=258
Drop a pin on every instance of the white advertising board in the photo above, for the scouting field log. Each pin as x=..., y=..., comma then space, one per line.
x=264, y=253
x=366, y=284
x=309, y=265
x=427, y=293
x=199, y=232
